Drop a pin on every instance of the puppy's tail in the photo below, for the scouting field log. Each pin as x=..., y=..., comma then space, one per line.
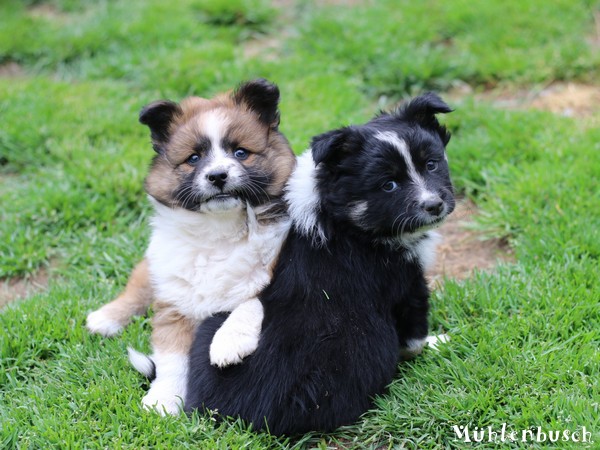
x=142, y=363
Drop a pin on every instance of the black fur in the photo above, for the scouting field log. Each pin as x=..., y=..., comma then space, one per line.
x=262, y=97
x=338, y=313
x=158, y=117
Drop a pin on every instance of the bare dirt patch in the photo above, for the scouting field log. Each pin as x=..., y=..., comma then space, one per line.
x=47, y=11
x=269, y=47
x=11, y=70
x=266, y=47
x=17, y=288
x=568, y=99
x=564, y=98
x=464, y=250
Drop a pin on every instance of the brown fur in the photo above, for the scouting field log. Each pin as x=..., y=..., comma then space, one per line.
x=134, y=300
x=172, y=331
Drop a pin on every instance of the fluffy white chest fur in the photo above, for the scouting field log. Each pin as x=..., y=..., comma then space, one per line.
x=203, y=263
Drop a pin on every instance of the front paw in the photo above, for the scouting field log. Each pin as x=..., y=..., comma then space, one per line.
x=100, y=322
x=163, y=401
x=434, y=341
x=228, y=348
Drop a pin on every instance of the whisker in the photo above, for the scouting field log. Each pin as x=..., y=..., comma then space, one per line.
x=256, y=190
x=398, y=218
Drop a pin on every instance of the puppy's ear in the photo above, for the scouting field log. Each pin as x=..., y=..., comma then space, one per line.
x=330, y=147
x=158, y=116
x=423, y=109
x=262, y=97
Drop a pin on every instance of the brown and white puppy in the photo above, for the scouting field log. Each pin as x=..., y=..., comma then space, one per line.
x=216, y=184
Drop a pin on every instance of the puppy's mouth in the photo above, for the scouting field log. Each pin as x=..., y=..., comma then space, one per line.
x=435, y=222
x=222, y=202
x=221, y=197
x=421, y=226
x=432, y=222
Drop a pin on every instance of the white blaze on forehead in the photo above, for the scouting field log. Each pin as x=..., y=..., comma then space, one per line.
x=400, y=145
x=214, y=126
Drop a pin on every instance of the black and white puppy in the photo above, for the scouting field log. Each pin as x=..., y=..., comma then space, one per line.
x=348, y=293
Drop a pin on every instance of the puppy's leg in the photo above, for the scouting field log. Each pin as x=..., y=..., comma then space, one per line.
x=412, y=326
x=171, y=341
x=239, y=335
x=412, y=348
x=134, y=300
x=411, y=320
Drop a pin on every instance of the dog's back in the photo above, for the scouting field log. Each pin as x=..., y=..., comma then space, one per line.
x=328, y=343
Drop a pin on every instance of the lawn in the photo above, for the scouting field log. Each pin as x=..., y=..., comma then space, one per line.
x=525, y=337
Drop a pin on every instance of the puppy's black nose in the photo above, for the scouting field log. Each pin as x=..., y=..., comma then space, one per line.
x=433, y=206
x=217, y=178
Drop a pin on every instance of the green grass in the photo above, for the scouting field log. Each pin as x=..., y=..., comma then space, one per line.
x=525, y=337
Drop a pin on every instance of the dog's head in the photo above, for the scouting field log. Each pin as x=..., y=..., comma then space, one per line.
x=218, y=154
x=387, y=179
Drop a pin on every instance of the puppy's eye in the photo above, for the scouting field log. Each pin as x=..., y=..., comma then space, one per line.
x=431, y=165
x=192, y=160
x=390, y=186
x=241, y=153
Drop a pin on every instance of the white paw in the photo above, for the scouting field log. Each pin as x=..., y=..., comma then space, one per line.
x=164, y=401
x=436, y=340
x=98, y=322
x=229, y=348
x=413, y=348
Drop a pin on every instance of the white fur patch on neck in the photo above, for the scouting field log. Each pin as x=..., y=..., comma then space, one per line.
x=420, y=246
x=424, y=249
x=303, y=199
